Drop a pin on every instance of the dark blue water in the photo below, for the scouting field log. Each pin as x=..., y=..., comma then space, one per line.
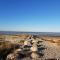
x=33, y=33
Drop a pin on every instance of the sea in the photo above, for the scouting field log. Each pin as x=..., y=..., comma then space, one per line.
x=32, y=33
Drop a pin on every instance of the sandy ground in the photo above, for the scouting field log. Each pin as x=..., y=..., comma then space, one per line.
x=52, y=50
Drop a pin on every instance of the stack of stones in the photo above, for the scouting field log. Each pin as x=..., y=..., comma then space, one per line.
x=34, y=50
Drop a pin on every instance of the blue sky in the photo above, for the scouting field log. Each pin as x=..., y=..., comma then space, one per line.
x=30, y=15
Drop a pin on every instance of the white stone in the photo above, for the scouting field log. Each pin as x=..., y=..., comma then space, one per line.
x=10, y=56
x=34, y=48
x=26, y=43
x=18, y=50
x=34, y=55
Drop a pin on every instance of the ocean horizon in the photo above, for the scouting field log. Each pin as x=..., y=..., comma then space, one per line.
x=33, y=33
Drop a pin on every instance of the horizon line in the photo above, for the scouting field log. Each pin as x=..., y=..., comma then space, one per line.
x=28, y=31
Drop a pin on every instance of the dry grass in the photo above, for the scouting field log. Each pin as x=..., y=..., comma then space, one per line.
x=52, y=39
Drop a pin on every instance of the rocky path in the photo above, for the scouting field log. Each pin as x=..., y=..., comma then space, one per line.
x=52, y=51
x=46, y=51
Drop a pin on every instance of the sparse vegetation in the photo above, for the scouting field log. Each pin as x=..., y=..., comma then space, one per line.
x=21, y=41
x=49, y=46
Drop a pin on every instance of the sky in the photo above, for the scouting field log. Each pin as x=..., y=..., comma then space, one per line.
x=30, y=15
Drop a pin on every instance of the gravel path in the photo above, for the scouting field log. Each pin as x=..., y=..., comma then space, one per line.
x=52, y=51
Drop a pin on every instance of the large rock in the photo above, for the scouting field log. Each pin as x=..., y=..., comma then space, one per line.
x=11, y=57
x=27, y=43
x=34, y=48
x=34, y=55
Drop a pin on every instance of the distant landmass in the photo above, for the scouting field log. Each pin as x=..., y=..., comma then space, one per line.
x=33, y=33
